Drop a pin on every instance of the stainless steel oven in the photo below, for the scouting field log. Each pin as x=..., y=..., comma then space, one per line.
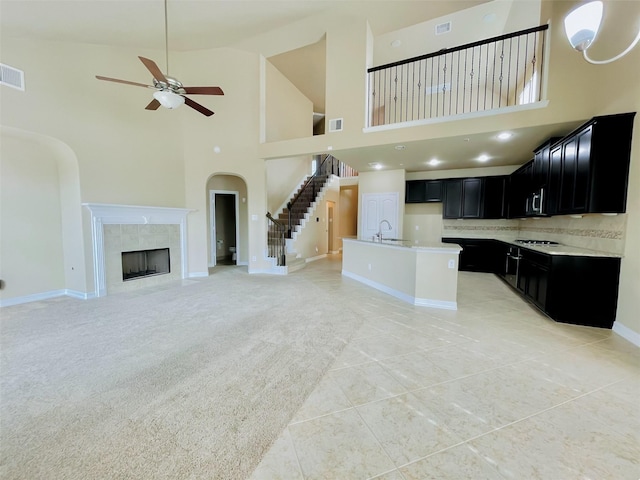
x=512, y=266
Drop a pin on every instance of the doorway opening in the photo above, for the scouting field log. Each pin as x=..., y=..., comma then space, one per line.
x=225, y=231
x=330, y=234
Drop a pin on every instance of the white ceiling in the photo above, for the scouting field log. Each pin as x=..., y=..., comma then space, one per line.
x=456, y=152
x=202, y=24
x=198, y=24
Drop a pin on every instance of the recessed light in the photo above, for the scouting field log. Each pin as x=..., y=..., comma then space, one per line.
x=396, y=43
x=483, y=158
x=375, y=165
x=329, y=147
x=433, y=162
x=400, y=147
x=505, y=135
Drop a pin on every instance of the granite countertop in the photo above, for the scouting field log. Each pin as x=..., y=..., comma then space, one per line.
x=557, y=249
x=568, y=250
x=397, y=242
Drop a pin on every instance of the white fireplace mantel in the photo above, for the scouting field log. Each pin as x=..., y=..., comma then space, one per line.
x=107, y=214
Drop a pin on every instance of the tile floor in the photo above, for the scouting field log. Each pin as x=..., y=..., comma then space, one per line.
x=494, y=390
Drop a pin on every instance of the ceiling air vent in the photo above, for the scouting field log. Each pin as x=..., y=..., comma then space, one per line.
x=335, y=124
x=443, y=28
x=11, y=77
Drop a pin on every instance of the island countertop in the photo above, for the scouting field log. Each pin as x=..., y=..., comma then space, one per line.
x=424, y=274
x=399, y=243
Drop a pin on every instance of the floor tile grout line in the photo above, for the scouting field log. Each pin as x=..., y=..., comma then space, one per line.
x=514, y=422
x=379, y=444
x=295, y=452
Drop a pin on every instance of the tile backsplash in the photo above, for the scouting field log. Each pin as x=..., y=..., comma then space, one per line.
x=595, y=232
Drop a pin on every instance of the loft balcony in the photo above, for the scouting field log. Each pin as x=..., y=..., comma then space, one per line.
x=489, y=75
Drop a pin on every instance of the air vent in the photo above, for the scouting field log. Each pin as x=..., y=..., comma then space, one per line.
x=443, y=28
x=335, y=124
x=11, y=77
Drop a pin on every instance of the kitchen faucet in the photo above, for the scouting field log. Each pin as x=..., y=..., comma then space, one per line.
x=379, y=235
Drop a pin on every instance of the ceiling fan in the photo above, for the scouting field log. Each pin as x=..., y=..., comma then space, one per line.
x=170, y=93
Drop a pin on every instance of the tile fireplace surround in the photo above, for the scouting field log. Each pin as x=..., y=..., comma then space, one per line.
x=120, y=228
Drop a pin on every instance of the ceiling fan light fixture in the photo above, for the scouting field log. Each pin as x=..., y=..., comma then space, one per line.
x=168, y=99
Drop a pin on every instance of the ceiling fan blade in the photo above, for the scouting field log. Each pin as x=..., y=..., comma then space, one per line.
x=126, y=82
x=153, y=105
x=203, y=90
x=196, y=106
x=153, y=68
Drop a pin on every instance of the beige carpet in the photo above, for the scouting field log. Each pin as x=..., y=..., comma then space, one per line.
x=191, y=381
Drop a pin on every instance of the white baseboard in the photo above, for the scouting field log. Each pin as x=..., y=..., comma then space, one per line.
x=268, y=271
x=317, y=257
x=627, y=333
x=421, y=302
x=35, y=297
x=198, y=274
x=7, y=302
x=80, y=295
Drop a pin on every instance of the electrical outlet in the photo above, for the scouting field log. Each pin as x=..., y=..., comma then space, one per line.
x=452, y=264
x=417, y=227
x=253, y=259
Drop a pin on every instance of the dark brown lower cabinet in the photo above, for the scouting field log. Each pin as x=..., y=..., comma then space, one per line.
x=571, y=289
x=581, y=290
x=479, y=254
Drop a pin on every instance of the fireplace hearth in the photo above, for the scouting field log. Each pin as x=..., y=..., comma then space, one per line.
x=145, y=263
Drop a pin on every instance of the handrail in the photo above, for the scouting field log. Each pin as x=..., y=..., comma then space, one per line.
x=277, y=247
x=309, y=180
x=277, y=222
x=506, y=36
x=499, y=72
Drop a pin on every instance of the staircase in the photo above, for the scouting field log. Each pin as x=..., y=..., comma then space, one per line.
x=283, y=230
x=295, y=213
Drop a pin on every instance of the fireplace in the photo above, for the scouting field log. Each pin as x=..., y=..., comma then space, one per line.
x=118, y=229
x=145, y=263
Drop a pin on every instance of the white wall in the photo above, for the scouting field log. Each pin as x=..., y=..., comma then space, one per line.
x=31, y=250
x=284, y=176
x=235, y=130
x=466, y=26
x=289, y=113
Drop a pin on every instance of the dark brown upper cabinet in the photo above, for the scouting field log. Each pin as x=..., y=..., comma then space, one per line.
x=589, y=168
x=423, y=191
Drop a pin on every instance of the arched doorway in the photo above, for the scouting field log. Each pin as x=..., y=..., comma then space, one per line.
x=42, y=235
x=227, y=220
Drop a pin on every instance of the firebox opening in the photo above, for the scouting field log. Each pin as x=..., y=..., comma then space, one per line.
x=145, y=263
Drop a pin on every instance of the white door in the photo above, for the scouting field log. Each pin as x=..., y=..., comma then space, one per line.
x=377, y=207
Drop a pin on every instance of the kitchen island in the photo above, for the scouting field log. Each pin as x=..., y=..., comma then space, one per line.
x=424, y=274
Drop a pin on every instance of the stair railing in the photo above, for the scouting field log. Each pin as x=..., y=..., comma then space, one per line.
x=495, y=73
x=276, y=242
x=329, y=165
